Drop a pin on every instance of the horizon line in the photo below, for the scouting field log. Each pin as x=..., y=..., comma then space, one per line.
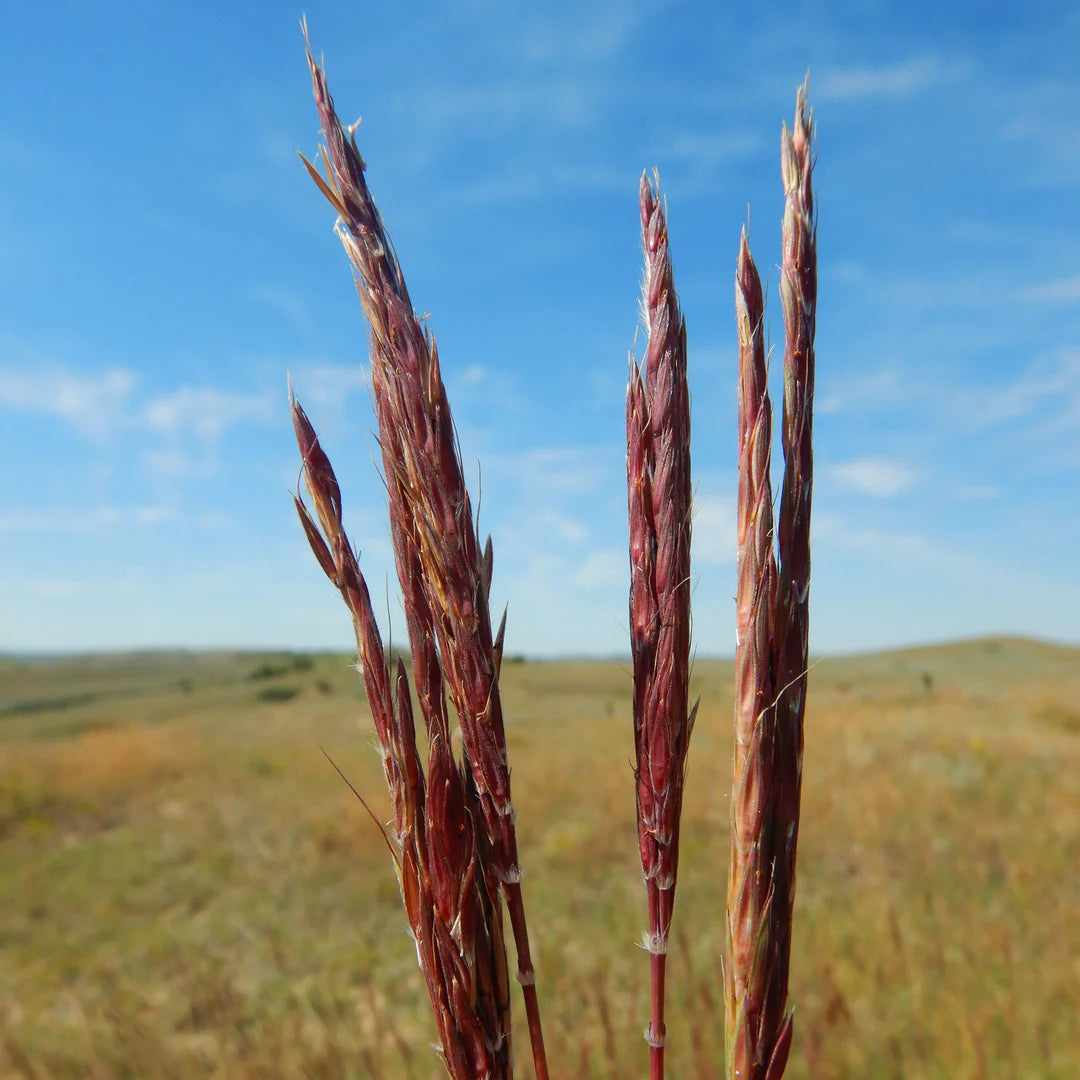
x=510, y=657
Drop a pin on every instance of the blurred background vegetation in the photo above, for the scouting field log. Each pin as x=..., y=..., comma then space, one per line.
x=189, y=890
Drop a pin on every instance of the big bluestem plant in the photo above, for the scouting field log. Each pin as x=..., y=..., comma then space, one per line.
x=453, y=823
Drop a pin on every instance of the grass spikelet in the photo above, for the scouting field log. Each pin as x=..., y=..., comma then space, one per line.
x=659, y=494
x=772, y=635
x=449, y=893
x=445, y=574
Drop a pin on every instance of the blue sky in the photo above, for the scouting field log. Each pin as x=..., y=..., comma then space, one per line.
x=166, y=262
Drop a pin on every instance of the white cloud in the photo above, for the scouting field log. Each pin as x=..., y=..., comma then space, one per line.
x=1040, y=114
x=565, y=528
x=714, y=539
x=977, y=492
x=96, y=519
x=483, y=399
x=529, y=527
x=52, y=588
x=597, y=36
x=204, y=410
x=523, y=182
x=155, y=515
x=603, y=567
x=877, y=477
x=175, y=464
x=320, y=387
x=836, y=532
x=1050, y=388
x=559, y=470
x=1063, y=291
x=93, y=402
x=559, y=102
x=842, y=393
x=710, y=147
x=554, y=72
x=285, y=301
x=213, y=519
x=101, y=403
x=891, y=81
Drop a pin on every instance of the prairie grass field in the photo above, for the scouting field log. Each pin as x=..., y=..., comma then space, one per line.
x=188, y=889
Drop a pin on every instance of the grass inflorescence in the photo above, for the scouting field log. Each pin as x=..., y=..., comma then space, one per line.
x=455, y=839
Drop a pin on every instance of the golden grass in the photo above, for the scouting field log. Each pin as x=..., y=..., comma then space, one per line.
x=84, y=780
x=199, y=896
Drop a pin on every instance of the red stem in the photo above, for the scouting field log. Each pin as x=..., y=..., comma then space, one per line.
x=657, y=1033
x=527, y=977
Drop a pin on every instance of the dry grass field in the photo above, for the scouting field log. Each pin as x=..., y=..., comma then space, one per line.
x=187, y=889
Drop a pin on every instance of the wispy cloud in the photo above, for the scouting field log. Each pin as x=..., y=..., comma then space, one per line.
x=174, y=463
x=1050, y=386
x=876, y=477
x=599, y=35
x=1041, y=117
x=835, y=531
x=526, y=182
x=891, y=81
x=285, y=301
x=97, y=519
x=52, y=588
x=104, y=403
x=205, y=411
x=542, y=78
x=557, y=470
x=707, y=148
x=843, y=392
x=713, y=537
x=531, y=529
x=91, y=402
x=480, y=392
x=565, y=528
x=323, y=387
x=16, y=151
x=1062, y=291
x=558, y=102
x=212, y=520
x=981, y=289
x=603, y=567
x=977, y=492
